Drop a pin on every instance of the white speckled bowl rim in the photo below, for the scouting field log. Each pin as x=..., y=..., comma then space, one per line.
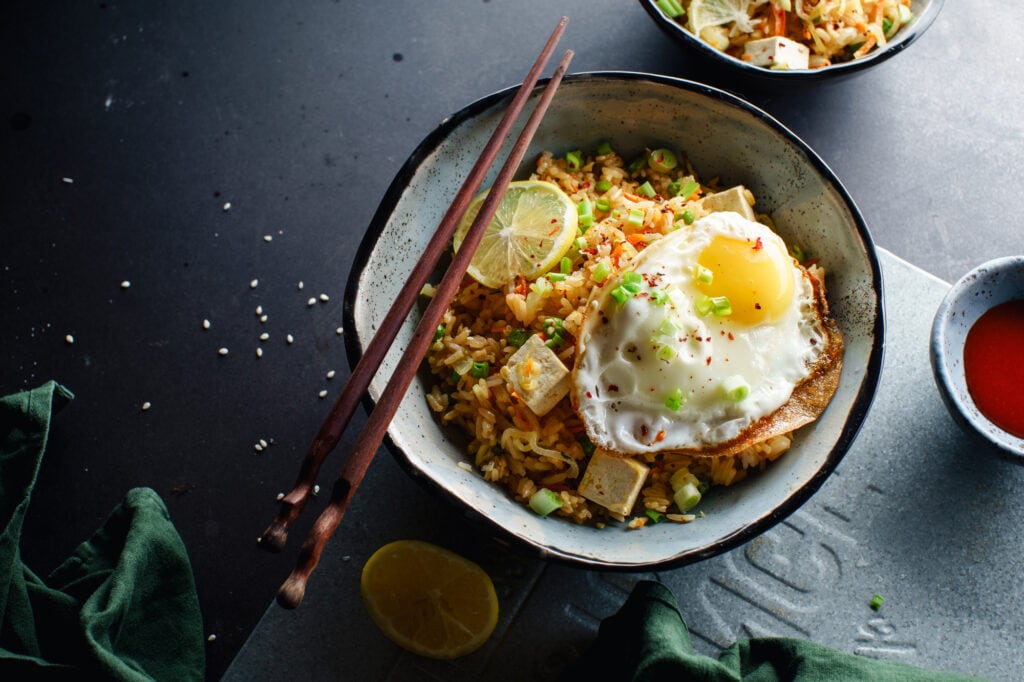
x=925, y=12
x=991, y=283
x=723, y=136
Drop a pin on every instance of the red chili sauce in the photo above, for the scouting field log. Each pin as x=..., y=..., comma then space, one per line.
x=994, y=365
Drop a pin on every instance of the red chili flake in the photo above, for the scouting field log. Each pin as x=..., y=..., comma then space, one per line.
x=554, y=220
x=814, y=342
x=758, y=245
x=660, y=437
x=613, y=388
x=731, y=338
x=707, y=360
x=757, y=306
x=589, y=394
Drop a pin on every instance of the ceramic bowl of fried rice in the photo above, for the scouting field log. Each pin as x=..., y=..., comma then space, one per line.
x=469, y=437
x=838, y=39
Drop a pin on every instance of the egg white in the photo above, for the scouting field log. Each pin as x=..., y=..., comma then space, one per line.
x=623, y=375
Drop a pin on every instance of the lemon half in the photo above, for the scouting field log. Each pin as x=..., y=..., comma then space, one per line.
x=429, y=600
x=534, y=226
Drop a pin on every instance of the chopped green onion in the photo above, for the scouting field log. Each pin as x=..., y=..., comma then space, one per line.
x=601, y=271
x=454, y=377
x=647, y=190
x=681, y=477
x=517, y=337
x=439, y=333
x=667, y=327
x=671, y=8
x=704, y=275
x=638, y=165
x=481, y=370
x=586, y=214
x=580, y=243
x=735, y=388
x=796, y=252
x=674, y=400
x=886, y=26
x=556, y=276
x=785, y=5
x=603, y=205
x=620, y=295
x=905, y=13
x=686, y=497
x=636, y=217
x=545, y=501
x=565, y=265
x=604, y=148
x=603, y=185
x=574, y=160
x=689, y=188
x=721, y=306
x=876, y=602
x=554, y=341
x=631, y=282
x=586, y=444
x=703, y=305
x=553, y=325
x=662, y=160
x=541, y=287
x=674, y=187
x=653, y=515
x=659, y=296
x=666, y=353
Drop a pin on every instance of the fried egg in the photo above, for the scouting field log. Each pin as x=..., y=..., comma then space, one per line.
x=716, y=338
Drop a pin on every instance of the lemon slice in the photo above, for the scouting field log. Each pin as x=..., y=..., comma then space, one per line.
x=429, y=600
x=704, y=13
x=534, y=226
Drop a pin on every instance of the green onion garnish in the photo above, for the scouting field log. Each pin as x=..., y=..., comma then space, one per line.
x=517, y=337
x=686, y=497
x=876, y=602
x=905, y=13
x=667, y=327
x=886, y=26
x=796, y=252
x=674, y=400
x=603, y=185
x=653, y=515
x=439, y=333
x=689, y=188
x=553, y=325
x=703, y=305
x=681, y=477
x=671, y=8
x=586, y=214
x=636, y=217
x=638, y=165
x=587, y=445
x=647, y=190
x=631, y=282
x=659, y=296
x=735, y=388
x=545, y=501
x=454, y=377
x=556, y=276
x=604, y=148
x=565, y=265
x=480, y=370
x=574, y=160
x=620, y=295
x=662, y=160
x=704, y=275
x=603, y=205
x=666, y=353
x=674, y=187
x=541, y=287
x=721, y=306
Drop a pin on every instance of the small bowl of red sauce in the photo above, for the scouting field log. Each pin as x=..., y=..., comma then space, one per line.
x=977, y=353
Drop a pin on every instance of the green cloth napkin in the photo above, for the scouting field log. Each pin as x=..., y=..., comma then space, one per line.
x=122, y=607
x=647, y=640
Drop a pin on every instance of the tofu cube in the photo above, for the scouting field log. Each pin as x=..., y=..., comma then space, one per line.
x=777, y=53
x=733, y=199
x=613, y=482
x=537, y=375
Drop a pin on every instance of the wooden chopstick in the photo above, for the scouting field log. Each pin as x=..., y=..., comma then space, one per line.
x=327, y=438
x=294, y=588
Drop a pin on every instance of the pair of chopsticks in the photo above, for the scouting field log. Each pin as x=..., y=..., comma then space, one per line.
x=276, y=535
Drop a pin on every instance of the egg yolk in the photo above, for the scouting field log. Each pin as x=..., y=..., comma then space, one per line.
x=755, y=277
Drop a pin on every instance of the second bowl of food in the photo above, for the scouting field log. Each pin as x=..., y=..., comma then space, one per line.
x=666, y=342
x=794, y=41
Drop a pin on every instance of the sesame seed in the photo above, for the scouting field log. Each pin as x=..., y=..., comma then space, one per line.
x=465, y=465
x=125, y=284
x=268, y=238
x=222, y=351
x=325, y=298
x=146, y=405
x=69, y=338
x=206, y=324
x=257, y=447
x=280, y=496
x=211, y=638
x=316, y=489
x=259, y=352
x=311, y=302
x=346, y=558
x=330, y=374
x=289, y=338
x=68, y=181
x=263, y=319
x=264, y=336
x=339, y=331
x=227, y=206
x=301, y=285
x=259, y=310
x=323, y=394
x=263, y=442
x=254, y=283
